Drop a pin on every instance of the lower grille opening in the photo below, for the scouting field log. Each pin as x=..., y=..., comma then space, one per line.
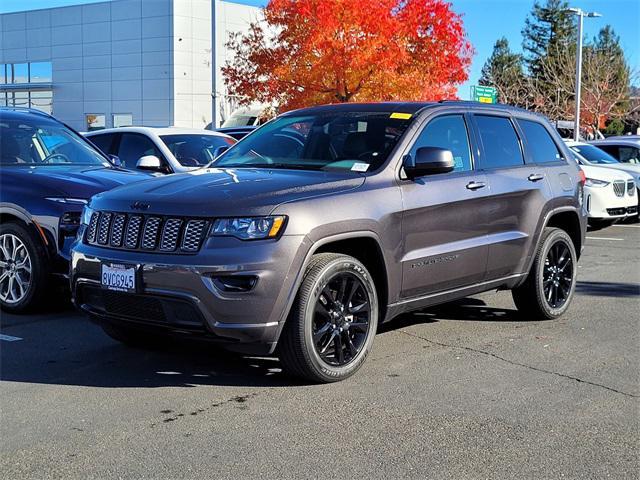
x=156, y=310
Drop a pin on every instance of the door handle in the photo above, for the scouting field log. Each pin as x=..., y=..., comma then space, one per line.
x=475, y=185
x=535, y=177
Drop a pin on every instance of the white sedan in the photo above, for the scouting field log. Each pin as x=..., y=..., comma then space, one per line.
x=610, y=194
x=163, y=150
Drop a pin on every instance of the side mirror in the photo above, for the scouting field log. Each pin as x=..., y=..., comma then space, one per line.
x=220, y=150
x=149, y=162
x=115, y=160
x=428, y=161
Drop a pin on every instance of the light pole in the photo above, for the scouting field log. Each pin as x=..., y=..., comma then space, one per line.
x=214, y=64
x=581, y=14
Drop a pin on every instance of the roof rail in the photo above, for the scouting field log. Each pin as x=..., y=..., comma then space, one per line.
x=27, y=109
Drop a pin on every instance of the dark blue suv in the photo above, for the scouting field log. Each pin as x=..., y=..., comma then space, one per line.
x=47, y=174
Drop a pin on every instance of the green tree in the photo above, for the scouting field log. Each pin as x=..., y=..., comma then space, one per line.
x=504, y=71
x=606, y=79
x=548, y=28
x=549, y=36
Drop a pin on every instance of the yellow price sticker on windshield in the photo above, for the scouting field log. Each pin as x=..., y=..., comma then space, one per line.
x=401, y=116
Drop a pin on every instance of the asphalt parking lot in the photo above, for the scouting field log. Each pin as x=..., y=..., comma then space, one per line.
x=461, y=391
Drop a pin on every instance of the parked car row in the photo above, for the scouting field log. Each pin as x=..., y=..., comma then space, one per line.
x=304, y=236
x=611, y=194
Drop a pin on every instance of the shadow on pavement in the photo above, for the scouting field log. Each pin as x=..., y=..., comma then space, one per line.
x=608, y=289
x=466, y=309
x=64, y=348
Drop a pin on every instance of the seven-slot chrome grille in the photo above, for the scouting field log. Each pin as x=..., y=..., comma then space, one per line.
x=152, y=233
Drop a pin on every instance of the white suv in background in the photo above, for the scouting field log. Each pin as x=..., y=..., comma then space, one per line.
x=163, y=150
x=609, y=194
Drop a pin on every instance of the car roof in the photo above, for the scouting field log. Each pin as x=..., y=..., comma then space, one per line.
x=409, y=107
x=18, y=113
x=157, y=131
x=619, y=140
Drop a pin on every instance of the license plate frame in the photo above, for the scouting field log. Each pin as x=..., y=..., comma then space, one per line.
x=120, y=277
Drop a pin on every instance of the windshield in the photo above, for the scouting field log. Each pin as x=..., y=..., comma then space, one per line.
x=357, y=141
x=193, y=150
x=40, y=141
x=240, y=121
x=594, y=155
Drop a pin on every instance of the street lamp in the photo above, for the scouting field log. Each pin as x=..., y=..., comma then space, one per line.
x=581, y=14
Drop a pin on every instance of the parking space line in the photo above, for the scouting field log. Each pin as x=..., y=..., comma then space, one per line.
x=606, y=238
x=9, y=338
x=626, y=226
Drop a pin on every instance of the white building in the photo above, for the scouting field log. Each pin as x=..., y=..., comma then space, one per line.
x=119, y=62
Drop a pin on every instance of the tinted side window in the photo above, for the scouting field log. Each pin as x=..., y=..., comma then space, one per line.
x=103, y=142
x=611, y=150
x=450, y=132
x=629, y=155
x=500, y=142
x=540, y=144
x=133, y=146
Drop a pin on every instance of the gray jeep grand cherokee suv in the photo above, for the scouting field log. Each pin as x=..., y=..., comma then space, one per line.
x=306, y=235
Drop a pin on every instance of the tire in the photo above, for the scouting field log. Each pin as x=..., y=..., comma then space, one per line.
x=531, y=298
x=24, y=269
x=344, y=331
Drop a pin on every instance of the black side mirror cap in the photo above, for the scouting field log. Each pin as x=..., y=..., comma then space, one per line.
x=429, y=161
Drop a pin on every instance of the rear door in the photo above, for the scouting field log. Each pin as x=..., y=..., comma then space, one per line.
x=518, y=193
x=444, y=220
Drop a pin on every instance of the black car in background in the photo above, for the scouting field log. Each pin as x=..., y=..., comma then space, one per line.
x=48, y=172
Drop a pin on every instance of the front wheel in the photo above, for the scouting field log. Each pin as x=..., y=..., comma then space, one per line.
x=23, y=269
x=333, y=322
x=549, y=288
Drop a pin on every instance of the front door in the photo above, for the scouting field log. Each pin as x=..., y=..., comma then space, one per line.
x=444, y=221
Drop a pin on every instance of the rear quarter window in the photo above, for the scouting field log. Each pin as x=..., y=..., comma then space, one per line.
x=541, y=146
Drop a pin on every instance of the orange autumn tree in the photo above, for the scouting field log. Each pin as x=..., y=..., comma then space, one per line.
x=309, y=52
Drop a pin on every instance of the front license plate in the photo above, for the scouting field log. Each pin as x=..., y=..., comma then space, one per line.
x=121, y=278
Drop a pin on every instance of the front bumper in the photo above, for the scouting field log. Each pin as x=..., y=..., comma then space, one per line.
x=602, y=204
x=179, y=294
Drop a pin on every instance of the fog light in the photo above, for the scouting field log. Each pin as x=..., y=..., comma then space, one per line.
x=235, y=283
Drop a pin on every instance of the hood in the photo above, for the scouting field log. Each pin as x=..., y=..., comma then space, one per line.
x=224, y=192
x=630, y=168
x=75, y=181
x=604, y=173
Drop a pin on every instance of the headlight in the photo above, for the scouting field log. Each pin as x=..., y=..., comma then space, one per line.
x=248, y=228
x=72, y=201
x=592, y=182
x=87, y=212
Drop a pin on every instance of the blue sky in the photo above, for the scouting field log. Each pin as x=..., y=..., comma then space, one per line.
x=485, y=22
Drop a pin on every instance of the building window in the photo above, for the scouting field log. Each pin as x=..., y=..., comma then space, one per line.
x=41, y=99
x=40, y=72
x=122, y=120
x=20, y=73
x=95, y=121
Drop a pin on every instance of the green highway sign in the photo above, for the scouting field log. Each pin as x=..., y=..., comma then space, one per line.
x=484, y=94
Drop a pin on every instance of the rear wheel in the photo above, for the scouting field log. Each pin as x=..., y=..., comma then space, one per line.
x=549, y=288
x=23, y=269
x=333, y=322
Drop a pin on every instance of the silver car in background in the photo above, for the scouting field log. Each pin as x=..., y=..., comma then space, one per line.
x=161, y=150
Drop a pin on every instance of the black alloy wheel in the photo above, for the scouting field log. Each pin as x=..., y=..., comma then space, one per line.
x=558, y=274
x=341, y=320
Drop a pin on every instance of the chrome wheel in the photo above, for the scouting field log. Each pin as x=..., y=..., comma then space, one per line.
x=341, y=319
x=15, y=269
x=558, y=275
